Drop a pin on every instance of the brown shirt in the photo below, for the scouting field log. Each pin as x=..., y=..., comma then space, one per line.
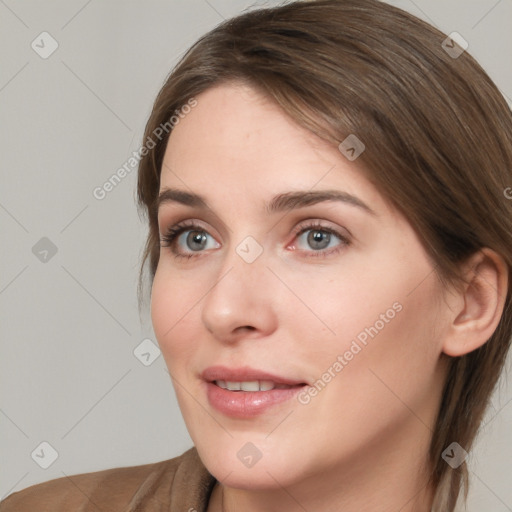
x=181, y=484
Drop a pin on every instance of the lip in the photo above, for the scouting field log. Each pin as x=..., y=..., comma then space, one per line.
x=244, y=374
x=246, y=404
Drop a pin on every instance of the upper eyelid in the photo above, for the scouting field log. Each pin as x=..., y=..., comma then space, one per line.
x=165, y=221
x=185, y=224
x=191, y=223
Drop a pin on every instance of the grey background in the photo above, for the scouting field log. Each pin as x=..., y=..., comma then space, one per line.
x=68, y=374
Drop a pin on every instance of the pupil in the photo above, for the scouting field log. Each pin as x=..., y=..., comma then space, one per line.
x=196, y=237
x=317, y=237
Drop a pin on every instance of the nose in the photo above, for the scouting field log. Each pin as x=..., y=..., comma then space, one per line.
x=240, y=302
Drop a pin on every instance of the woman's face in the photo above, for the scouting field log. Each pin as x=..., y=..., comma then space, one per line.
x=327, y=306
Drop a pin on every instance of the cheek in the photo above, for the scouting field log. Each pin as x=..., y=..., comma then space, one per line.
x=384, y=316
x=173, y=304
x=342, y=308
x=377, y=383
x=391, y=363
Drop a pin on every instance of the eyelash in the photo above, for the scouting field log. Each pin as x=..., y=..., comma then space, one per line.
x=168, y=240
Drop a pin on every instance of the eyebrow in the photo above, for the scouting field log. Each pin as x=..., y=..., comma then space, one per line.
x=281, y=203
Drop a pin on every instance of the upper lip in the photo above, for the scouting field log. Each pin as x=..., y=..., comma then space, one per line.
x=244, y=374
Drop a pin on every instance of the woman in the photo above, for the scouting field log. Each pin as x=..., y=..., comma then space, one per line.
x=329, y=253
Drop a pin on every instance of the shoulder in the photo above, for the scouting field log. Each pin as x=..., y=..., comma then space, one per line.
x=182, y=481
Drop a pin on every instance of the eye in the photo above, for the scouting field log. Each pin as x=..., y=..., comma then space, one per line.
x=189, y=235
x=323, y=240
x=188, y=240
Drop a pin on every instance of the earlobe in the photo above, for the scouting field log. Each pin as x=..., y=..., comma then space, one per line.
x=483, y=298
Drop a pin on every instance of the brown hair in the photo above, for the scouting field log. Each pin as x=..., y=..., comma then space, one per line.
x=438, y=137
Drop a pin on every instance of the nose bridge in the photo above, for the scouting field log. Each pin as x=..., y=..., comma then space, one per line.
x=244, y=264
x=240, y=295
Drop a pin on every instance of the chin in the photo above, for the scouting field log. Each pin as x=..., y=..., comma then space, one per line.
x=257, y=465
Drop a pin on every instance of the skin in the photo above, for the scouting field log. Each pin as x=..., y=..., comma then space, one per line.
x=362, y=442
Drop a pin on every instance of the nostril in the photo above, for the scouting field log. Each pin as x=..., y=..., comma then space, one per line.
x=248, y=327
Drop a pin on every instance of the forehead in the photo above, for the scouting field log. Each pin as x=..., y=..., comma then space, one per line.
x=235, y=141
x=237, y=122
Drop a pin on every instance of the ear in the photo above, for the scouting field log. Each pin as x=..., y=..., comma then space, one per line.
x=479, y=305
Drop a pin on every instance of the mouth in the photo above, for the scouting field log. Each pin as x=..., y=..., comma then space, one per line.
x=253, y=385
x=246, y=392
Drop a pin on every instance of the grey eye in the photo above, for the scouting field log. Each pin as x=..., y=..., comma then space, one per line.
x=196, y=240
x=318, y=239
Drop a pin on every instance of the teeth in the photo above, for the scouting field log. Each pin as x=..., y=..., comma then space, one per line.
x=266, y=385
x=251, y=385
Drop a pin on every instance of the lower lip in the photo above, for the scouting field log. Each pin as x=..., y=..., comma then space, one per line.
x=247, y=404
